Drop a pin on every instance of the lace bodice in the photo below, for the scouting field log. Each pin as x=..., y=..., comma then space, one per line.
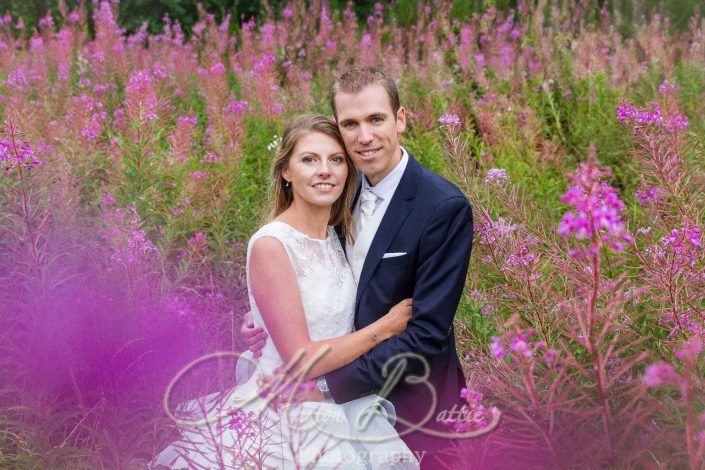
x=325, y=281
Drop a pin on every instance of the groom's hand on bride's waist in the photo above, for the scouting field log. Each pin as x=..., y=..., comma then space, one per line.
x=253, y=337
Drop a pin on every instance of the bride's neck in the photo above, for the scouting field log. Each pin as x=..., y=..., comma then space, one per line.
x=311, y=220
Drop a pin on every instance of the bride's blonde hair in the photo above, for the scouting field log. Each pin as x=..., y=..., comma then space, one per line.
x=281, y=194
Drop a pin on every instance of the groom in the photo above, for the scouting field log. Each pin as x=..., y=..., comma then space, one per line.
x=413, y=236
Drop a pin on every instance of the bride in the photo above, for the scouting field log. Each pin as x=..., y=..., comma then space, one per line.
x=302, y=292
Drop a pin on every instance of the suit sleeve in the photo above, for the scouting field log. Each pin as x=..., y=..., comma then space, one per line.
x=444, y=253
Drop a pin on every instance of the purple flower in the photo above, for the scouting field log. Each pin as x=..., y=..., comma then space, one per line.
x=597, y=209
x=241, y=421
x=692, y=348
x=210, y=157
x=237, y=107
x=473, y=397
x=520, y=345
x=136, y=247
x=667, y=88
x=47, y=21
x=198, y=238
x=497, y=176
x=640, y=119
x=522, y=257
x=550, y=356
x=141, y=98
x=658, y=374
x=450, y=120
x=23, y=157
x=575, y=225
x=217, y=69
x=496, y=348
x=489, y=308
x=647, y=195
x=685, y=245
x=480, y=59
x=677, y=123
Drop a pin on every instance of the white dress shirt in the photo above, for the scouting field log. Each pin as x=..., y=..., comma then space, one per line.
x=384, y=190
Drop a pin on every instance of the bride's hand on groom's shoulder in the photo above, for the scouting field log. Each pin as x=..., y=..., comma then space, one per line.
x=253, y=337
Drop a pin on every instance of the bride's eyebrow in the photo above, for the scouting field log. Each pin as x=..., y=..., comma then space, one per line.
x=306, y=153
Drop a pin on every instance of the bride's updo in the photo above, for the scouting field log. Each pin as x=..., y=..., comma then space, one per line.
x=281, y=193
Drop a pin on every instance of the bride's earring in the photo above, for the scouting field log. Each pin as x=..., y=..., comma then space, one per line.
x=286, y=185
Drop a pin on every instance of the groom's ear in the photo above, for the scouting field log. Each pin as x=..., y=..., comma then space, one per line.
x=401, y=120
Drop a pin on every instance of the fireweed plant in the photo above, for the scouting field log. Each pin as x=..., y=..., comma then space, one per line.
x=133, y=171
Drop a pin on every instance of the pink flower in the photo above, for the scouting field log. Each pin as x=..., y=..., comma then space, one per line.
x=693, y=347
x=497, y=176
x=667, y=88
x=522, y=257
x=450, y=120
x=550, y=356
x=640, y=119
x=141, y=100
x=47, y=21
x=217, y=69
x=237, y=107
x=520, y=345
x=11, y=157
x=496, y=348
x=597, y=209
x=647, y=195
x=658, y=374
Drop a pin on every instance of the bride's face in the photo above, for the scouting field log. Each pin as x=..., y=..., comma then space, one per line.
x=316, y=170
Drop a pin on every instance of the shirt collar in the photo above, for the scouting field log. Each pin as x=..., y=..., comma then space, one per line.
x=385, y=188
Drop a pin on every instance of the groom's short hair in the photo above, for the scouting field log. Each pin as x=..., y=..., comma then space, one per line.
x=354, y=80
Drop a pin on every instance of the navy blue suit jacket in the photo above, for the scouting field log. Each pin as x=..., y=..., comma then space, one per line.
x=430, y=220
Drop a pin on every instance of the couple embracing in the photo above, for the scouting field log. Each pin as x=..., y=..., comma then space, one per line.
x=365, y=297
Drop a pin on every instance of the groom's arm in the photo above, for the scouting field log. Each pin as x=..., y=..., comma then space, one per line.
x=444, y=253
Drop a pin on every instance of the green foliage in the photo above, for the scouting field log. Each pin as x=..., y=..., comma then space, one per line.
x=249, y=206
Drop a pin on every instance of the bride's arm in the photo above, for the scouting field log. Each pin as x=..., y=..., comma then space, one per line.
x=276, y=292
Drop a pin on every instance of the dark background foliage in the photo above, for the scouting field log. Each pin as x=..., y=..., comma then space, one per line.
x=134, y=13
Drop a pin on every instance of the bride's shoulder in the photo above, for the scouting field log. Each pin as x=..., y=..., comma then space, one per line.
x=268, y=242
x=273, y=229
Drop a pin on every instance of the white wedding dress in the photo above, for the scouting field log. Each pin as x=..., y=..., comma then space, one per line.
x=240, y=430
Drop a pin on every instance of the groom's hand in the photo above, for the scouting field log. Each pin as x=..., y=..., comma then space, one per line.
x=254, y=337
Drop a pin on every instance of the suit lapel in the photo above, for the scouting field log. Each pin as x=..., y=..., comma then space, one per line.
x=398, y=210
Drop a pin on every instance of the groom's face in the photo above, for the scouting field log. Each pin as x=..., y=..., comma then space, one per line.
x=371, y=129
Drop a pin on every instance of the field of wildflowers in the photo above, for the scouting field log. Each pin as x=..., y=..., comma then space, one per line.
x=134, y=168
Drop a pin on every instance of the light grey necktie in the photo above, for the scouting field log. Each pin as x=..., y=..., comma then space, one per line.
x=368, y=203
